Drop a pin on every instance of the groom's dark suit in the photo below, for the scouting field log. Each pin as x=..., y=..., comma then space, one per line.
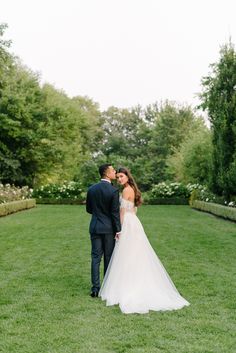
x=103, y=203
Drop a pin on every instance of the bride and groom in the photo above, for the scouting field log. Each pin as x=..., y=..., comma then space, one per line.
x=134, y=277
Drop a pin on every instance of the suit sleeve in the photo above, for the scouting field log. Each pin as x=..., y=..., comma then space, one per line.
x=115, y=211
x=88, y=203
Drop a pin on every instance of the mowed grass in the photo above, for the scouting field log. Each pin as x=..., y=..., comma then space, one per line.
x=45, y=305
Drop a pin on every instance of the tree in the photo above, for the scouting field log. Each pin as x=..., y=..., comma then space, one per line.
x=219, y=100
x=122, y=128
x=24, y=151
x=45, y=135
x=5, y=57
x=171, y=126
x=73, y=128
x=8, y=163
x=143, y=139
x=191, y=162
x=22, y=148
x=127, y=134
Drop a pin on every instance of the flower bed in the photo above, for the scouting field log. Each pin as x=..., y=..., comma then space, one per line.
x=10, y=193
x=70, y=192
x=171, y=193
x=207, y=196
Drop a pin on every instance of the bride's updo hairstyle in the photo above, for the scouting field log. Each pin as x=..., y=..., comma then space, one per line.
x=132, y=183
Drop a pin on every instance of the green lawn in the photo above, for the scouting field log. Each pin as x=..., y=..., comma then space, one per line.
x=45, y=285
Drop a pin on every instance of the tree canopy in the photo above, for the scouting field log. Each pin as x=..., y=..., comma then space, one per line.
x=219, y=99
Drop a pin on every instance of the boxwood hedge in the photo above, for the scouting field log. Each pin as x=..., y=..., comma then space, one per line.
x=216, y=209
x=15, y=206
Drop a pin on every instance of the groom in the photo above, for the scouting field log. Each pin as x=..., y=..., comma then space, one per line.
x=103, y=203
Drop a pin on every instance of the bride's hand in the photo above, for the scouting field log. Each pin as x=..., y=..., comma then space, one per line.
x=117, y=236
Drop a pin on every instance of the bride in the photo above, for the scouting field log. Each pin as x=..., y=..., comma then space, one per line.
x=135, y=278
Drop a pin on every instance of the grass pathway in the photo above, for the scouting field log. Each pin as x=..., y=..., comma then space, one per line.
x=45, y=305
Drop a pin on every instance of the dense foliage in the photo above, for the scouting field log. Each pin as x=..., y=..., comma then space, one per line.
x=191, y=162
x=219, y=99
x=145, y=138
x=45, y=135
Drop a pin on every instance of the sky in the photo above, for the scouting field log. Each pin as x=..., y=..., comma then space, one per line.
x=121, y=53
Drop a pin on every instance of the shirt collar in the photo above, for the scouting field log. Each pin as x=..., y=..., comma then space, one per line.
x=106, y=180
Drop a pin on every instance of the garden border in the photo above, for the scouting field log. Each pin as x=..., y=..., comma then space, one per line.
x=15, y=206
x=216, y=209
x=167, y=201
x=54, y=201
x=157, y=201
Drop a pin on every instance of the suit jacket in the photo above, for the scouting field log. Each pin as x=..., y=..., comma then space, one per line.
x=103, y=203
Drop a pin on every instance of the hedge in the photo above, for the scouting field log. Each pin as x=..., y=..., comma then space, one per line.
x=157, y=201
x=15, y=206
x=216, y=209
x=168, y=201
x=51, y=201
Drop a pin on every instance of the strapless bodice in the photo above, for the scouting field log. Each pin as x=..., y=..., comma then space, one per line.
x=127, y=205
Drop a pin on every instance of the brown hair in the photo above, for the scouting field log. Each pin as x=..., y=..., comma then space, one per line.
x=137, y=193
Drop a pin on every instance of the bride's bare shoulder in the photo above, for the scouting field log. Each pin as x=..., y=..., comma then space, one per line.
x=128, y=193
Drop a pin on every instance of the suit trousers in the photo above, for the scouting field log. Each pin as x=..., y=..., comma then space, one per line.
x=102, y=244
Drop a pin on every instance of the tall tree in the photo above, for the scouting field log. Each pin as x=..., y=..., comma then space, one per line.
x=219, y=100
x=24, y=151
x=171, y=126
x=8, y=164
x=74, y=129
x=126, y=141
x=191, y=162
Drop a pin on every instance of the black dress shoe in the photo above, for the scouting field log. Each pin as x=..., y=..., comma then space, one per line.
x=94, y=294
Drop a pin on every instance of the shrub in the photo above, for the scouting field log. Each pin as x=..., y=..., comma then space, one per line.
x=169, y=201
x=10, y=193
x=171, y=193
x=50, y=201
x=207, y=196
x=216, y=209
x=15, y=206
x=69, y=190
x=164, y=190
x=173, y=190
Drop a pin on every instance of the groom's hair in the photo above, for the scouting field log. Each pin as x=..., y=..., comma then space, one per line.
x=103, y=168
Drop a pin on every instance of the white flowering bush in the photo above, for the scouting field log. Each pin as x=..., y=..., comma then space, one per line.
x=170, y=190
x=68, y=190
x=178, y=192
x=202, y=193
x=10, y=193
x=196, y=186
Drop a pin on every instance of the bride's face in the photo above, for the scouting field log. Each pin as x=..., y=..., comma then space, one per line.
x=122, y=178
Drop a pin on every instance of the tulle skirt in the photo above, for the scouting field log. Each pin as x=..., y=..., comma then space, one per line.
x=135, y=279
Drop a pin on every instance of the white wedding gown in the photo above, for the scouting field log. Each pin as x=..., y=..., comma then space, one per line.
x=135, y=278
